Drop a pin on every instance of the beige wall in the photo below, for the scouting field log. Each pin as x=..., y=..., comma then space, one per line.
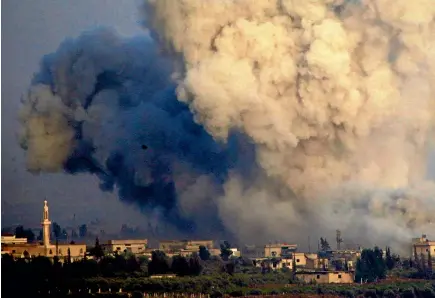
x=136, y=246
x=17, y=250
x=197, y=243
x=172, y=245
x=326, y=277
x=275, y=250
x=426, y=249
x=317, y=263
x=178, y=245
x=13, y=240
x=283, y=263
x=300, y=259
x=77, y=251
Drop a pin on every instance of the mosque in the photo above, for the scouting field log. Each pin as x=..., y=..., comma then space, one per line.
x=21, y=249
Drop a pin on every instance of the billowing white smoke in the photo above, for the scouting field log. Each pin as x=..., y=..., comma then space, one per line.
x=338, y=97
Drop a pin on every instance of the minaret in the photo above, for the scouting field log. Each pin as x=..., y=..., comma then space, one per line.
x=46, y=226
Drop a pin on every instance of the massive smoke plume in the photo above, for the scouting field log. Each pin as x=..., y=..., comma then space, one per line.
x=336, y=97
x=107, y=106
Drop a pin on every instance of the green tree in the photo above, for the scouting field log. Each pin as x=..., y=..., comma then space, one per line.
x=204, y=254
x=159, y=263
x=324, y=245
x=370, y=266
x=195, y=267
x=20, y=232
x=390, y=261
x=97, y=250
x=226, y=251
x=180, y=266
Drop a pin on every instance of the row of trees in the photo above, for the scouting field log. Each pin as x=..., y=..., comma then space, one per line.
x=57, y=232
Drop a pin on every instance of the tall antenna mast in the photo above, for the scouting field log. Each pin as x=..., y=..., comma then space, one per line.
x=339, y=239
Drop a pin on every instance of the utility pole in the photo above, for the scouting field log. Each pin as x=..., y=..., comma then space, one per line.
x=339, y=239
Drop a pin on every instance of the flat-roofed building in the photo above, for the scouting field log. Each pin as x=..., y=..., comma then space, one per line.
x=12, y=239
x=326, y=277
x=184, y=246
x=279, y=250
x=136, y=246
x=424, y=252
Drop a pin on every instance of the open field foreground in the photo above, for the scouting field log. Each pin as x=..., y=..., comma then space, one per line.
x=414, y=288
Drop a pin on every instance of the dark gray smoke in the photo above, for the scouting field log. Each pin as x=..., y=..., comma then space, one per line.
x=107, y=106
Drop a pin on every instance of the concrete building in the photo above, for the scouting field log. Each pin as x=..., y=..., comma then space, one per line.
x=279, y=250
x=236, y=252
x=325, y=277
x=252, y=251
x=21, y=250
x=136, y=246
x=11, y=239
x=185, y=247
x=424, y=251
x=316, y=262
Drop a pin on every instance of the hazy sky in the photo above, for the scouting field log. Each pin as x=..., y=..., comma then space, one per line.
x=31, y=29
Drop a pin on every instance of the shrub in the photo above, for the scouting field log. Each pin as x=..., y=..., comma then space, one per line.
x=255, y=292
x=137, y=294
x=408, y=293
x=389, y=294
x=237, y=293
x=216, y=294
x=347, y=293
x=370, y=293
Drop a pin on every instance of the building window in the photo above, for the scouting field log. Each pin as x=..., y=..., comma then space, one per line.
x=81, y=250
x=339, y=276
x=118, y=248
x=318, y=276
x=13, y=251
x=297, y=260
x=60, y=251
x=50, y=252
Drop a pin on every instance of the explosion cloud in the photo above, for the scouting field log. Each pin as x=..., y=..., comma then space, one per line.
x=310, y=116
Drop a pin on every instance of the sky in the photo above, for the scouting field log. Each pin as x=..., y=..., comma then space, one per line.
x=31, y=29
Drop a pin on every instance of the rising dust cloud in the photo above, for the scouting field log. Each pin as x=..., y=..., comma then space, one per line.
x=305, y=116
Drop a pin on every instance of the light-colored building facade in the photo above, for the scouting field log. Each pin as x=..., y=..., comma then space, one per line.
x=21, y=250
x=11, y=239
x=136, y=246
x=236, y=253
x=424, y=251
x=186, y=247
x=279, y=250
x=316, y=262
x=178, y=245
x=325, y=277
